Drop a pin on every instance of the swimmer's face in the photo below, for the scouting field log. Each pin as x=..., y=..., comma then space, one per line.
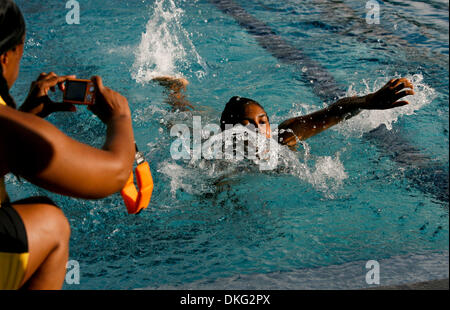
x=10, y=62
x=256, y=116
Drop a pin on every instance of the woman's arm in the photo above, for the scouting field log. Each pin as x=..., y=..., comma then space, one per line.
x=36, y=150
x=304, y=127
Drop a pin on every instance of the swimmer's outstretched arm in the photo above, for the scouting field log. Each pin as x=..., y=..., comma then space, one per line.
x=306, y=126
x=47, y=157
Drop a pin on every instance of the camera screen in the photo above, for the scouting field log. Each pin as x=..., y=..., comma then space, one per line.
x=75, y=91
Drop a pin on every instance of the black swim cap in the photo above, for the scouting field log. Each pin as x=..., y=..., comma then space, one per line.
x=12, y=26
x=234, y=110
x=12, y=31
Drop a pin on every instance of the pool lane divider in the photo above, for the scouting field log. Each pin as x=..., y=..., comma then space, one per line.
x=327, y=89
x=321, y=81
x=337, y=11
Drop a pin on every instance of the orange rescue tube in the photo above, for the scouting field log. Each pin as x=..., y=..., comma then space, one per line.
x=138, y=199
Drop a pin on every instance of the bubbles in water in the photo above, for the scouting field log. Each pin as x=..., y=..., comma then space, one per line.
x=32, y=43
x=165, y=47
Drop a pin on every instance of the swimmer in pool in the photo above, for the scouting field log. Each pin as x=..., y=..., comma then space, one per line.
x=247, y=112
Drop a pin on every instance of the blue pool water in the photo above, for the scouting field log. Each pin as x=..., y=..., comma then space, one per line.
x=346, y=196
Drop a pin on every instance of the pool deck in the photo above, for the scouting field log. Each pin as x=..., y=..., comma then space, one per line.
x=421, y=271
x=428, y=285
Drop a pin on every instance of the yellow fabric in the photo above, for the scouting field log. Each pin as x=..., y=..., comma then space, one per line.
x=2, y=102
x=12, y=270
x=3, y=195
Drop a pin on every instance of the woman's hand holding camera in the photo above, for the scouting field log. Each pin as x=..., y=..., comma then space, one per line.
x=113, y=110
x=109, y=105
x=39, y=103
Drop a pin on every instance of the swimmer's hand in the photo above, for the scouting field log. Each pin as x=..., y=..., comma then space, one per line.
x=388, y=96
x=39, y=103
x=108, y=104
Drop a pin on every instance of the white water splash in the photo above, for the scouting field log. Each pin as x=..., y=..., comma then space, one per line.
x=166, y=47
x=370, y=119
x=325, y=173
x=178, y=176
